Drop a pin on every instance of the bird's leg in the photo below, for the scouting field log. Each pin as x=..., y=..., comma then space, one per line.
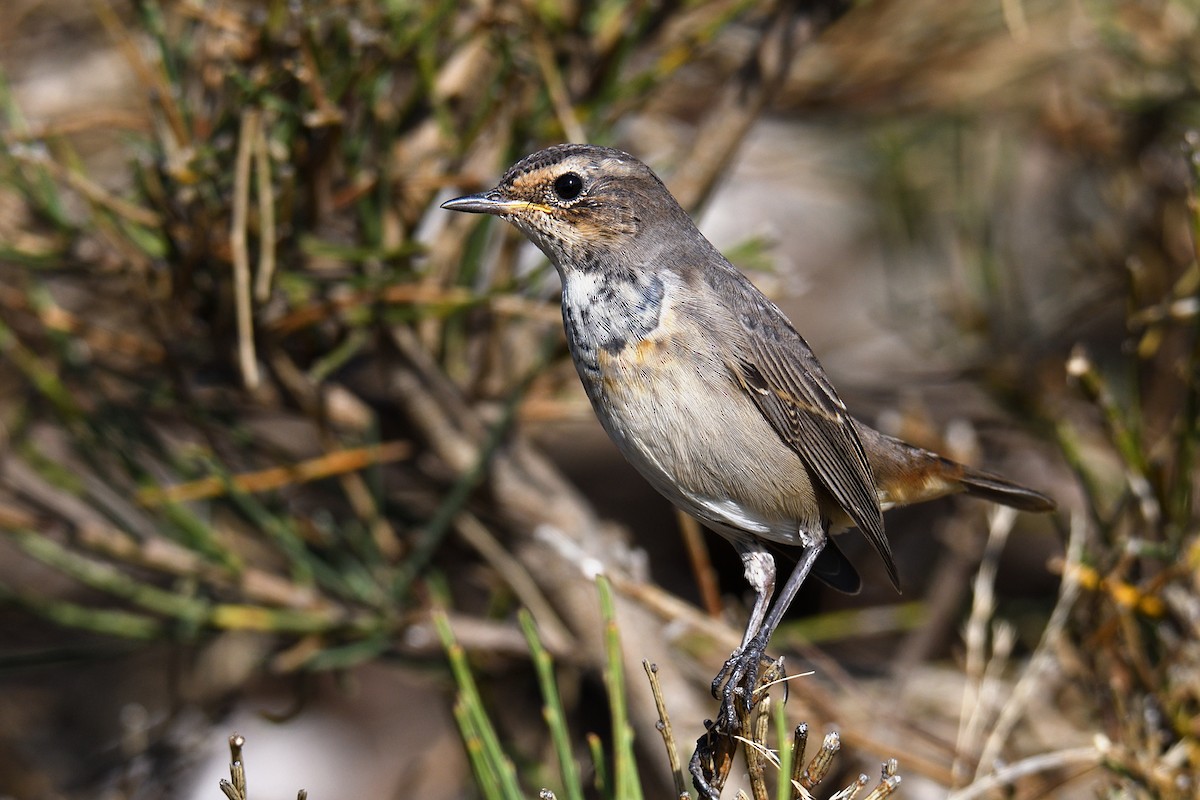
x=742, y=669
x=760, y=573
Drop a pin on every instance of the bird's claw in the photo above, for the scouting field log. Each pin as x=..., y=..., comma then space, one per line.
x=736, y=685
x=738, y=678
x=726, y=668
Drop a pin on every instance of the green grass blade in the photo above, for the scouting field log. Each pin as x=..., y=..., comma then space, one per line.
x=783, y=789
x=474, y=721
x=600, y=764
x=109, y=622
x=626, y=785
x=552, y=711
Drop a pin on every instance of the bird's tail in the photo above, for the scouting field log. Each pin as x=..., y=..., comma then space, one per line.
x=907, y=474
x=992, y=487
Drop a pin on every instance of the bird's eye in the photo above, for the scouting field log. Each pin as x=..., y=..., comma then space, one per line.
x=568, y=186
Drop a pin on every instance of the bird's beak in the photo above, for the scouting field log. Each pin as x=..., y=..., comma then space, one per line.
x=489, y=202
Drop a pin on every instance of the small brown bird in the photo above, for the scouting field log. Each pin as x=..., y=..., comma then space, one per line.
x=708, y=390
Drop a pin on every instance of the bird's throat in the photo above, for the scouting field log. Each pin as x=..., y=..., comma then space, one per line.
x=609, y=310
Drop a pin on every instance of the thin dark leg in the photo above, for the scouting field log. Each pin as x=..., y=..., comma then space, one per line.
x=808, y=557
x=743, y=666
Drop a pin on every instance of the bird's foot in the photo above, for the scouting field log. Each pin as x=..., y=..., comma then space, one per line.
x=738, y=681
x=706, y=777
x=737, y=686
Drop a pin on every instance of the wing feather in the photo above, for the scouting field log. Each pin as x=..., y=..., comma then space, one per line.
x=780, y=373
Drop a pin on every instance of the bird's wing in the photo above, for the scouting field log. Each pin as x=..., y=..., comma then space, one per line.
x=777, y=369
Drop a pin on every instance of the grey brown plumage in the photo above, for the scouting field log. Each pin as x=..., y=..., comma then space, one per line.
x=706, y=387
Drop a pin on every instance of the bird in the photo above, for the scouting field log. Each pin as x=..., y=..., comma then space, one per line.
x=708, y=390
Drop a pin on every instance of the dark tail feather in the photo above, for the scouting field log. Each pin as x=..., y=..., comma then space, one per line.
x=832, y=567
x=835, y=570
x=992, y=487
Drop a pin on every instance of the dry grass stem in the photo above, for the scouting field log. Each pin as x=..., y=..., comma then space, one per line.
x=328, y=465
x=1043, y=762
x=555, y=635
x=701, y=563
x=1039, y=671
x=239, y=252
x=668, y=734
x=266, y=216
x=975, y=714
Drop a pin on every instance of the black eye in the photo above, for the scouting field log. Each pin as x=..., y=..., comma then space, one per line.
x=568, y=186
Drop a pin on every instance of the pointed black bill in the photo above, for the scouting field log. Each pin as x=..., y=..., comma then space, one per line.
x=485, y=203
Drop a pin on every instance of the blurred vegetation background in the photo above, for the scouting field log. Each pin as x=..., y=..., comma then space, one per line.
x=264, y=408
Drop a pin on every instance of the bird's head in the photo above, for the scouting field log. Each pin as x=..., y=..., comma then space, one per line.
x=579, y=204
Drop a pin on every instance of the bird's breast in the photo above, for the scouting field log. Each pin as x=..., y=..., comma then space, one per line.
x=656, y=378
